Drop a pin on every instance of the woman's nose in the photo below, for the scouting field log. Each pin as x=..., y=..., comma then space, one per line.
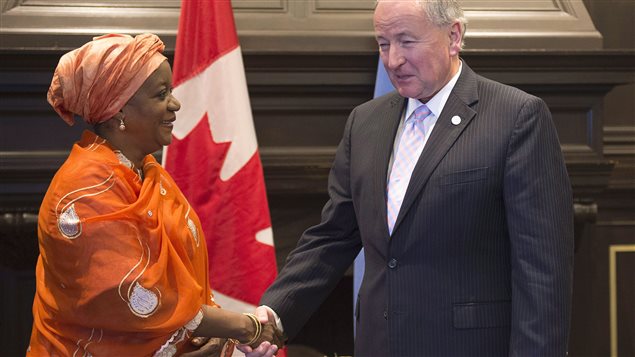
x=174, y=104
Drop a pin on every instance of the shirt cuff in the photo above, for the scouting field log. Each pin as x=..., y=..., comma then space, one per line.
x=277, y=318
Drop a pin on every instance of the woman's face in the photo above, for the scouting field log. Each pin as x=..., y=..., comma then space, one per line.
x=150, y=113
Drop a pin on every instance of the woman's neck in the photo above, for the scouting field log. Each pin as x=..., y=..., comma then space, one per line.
x=119, y=143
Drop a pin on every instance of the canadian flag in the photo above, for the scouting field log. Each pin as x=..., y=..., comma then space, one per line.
x=214, y=154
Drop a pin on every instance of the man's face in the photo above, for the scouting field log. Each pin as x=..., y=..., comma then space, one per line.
x=420, y=58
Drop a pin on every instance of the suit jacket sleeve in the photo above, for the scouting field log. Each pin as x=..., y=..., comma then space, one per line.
x=324, y=252
x=539, y=210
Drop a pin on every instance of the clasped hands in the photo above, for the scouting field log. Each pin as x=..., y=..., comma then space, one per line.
x=270, y=340
x=257, y=336
x=266, y=337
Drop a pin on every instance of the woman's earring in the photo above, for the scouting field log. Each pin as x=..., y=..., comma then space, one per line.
x=122, y=126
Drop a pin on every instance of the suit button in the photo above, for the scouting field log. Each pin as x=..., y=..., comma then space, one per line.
x=392, y=264
x=385, y=314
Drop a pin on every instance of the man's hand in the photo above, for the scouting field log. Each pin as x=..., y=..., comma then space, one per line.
x=272, y=338
x=265, y=349
x=265, y=315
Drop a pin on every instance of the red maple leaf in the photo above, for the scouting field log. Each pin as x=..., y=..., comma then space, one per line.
x=231, y=213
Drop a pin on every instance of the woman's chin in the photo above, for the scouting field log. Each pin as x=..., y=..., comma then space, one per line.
x=167, y=141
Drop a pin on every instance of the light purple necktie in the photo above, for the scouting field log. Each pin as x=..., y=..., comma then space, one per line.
x=408, y=151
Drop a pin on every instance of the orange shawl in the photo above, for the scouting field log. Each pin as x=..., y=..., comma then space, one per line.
x=123, y=262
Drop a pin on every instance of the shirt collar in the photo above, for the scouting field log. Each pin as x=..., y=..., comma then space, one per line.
x=436, y=103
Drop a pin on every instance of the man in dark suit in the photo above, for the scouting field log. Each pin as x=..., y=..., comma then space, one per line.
x=456, y=187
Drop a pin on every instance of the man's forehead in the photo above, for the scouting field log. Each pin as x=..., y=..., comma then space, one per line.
x=398, y=23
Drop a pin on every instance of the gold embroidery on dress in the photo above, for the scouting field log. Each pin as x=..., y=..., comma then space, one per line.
x=162, y=190
x=68, y=221
x=88, y=342
x=192, y=226
x=141, y=301
x=95, y=144
x=190, y=222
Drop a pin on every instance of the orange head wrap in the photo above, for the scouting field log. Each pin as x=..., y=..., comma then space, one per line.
x=96, y=80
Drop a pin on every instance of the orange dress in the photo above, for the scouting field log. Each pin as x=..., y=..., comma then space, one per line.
x=123, y=265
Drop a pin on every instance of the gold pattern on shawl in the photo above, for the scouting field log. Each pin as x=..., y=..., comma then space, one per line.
x=192, y=226
x=88, y=342
x=96, y=144
x=141, y=301
x=162, y=189
x=69, y=223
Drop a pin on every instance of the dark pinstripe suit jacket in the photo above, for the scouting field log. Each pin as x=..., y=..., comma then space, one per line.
x=481, y=257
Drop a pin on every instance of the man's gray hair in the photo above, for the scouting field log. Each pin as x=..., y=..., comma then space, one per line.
x=443, y=13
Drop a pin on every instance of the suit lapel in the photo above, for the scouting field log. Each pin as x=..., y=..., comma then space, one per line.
x=388, y=122
x=445, y=133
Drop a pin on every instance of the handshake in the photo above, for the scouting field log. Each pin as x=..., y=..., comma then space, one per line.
x=266, y=339
x=219, y=330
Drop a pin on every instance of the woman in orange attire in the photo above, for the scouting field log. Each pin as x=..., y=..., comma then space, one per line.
x=123, y=265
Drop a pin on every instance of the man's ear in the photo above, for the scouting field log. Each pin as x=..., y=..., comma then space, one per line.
x=456, y=38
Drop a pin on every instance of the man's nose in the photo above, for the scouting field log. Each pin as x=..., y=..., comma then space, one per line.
x=395, y=57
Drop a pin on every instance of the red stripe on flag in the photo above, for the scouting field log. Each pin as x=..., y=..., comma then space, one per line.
x=206, y=32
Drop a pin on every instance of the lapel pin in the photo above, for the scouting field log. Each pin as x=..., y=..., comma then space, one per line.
x=456, y=120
